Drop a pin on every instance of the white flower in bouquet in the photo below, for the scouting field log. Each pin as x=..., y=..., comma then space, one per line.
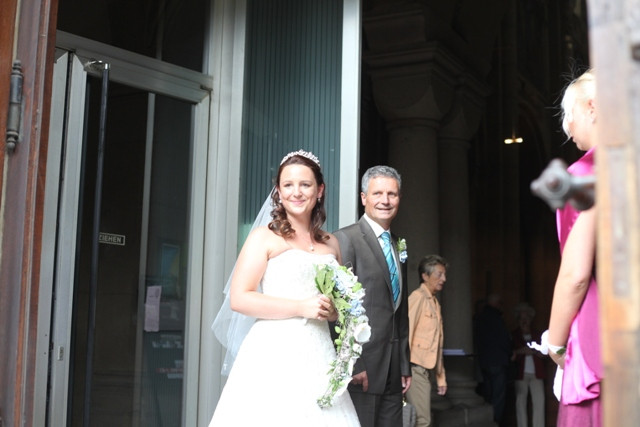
x=362, y=332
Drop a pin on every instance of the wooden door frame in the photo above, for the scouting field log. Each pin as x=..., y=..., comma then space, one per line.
x=615, y=53
x=22, y=182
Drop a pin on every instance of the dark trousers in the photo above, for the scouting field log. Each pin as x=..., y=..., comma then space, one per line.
x=494, y=388
x=381, y=410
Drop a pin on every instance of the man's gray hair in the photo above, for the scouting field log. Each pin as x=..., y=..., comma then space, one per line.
x=376, y=172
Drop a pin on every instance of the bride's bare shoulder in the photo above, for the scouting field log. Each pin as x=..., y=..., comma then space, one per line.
x=262, y=236
x=268, y=241
x=261, y=232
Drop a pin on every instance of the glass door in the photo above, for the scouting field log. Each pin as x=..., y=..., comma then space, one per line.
x=126, y=267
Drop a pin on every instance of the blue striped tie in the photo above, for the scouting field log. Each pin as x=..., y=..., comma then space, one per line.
x=393, y=271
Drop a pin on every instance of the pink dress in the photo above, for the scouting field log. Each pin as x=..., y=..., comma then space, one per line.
x=580, y=403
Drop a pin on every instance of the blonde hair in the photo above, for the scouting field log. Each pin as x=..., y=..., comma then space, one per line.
x=581, y=89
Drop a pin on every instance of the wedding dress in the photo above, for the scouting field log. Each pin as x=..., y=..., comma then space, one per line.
x=281, y=368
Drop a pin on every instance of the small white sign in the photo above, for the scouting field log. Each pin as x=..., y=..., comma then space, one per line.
x=111, y=239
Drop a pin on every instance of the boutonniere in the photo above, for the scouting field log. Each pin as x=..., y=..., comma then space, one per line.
x=402, y=250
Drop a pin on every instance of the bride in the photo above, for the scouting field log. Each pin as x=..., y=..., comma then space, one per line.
x=281, y=368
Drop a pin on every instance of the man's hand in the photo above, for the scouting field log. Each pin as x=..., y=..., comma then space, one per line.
x=361, y=378
x=406, y=383
x=442, y=390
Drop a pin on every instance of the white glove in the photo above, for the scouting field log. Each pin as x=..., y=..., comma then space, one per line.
x=543, y=347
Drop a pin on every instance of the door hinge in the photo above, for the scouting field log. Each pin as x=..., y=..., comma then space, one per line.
x=15, y=107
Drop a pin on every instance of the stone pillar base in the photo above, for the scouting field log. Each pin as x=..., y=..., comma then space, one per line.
x=461, y=406
x=463, y=415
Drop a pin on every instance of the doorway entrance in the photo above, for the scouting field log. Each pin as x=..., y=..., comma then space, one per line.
x=125, y=235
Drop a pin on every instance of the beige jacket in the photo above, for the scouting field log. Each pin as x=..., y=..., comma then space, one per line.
x=425, y=332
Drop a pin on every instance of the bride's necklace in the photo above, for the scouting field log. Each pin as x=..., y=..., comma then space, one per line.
x=311, y=248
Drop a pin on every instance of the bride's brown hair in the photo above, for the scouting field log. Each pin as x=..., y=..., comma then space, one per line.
x=280, y=223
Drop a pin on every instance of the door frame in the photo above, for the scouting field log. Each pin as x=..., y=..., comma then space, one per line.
x=61, y=207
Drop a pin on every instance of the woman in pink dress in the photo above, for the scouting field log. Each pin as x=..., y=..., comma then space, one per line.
x=574, y=342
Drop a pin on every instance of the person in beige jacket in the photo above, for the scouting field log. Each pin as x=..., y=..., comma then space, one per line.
x=426, y=337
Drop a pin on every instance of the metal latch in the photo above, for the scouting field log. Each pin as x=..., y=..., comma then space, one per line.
x=15, y=106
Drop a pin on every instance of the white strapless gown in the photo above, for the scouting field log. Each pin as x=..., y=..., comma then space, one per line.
x=281, y=368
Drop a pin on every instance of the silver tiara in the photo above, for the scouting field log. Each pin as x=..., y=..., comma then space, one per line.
x=309, y=155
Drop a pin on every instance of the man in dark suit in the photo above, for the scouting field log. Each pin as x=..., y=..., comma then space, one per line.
x=382, y=374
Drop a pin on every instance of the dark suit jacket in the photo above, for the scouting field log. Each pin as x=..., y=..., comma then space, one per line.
x=361, y=250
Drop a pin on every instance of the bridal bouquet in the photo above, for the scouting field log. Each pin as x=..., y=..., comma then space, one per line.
x=342, y=287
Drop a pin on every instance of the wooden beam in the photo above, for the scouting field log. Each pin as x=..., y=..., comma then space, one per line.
x=615, y=51
x=23, y=197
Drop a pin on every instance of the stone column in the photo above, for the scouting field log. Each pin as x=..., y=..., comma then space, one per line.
x=453, y=154
x=413, y=152
x=424, y=96
x=413, y=99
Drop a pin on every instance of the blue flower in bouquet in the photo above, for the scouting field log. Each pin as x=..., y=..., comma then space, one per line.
x=339, y=284
x=346, y=293
x=356, y=309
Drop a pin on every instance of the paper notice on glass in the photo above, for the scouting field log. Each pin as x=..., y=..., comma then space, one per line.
x=152, y=309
